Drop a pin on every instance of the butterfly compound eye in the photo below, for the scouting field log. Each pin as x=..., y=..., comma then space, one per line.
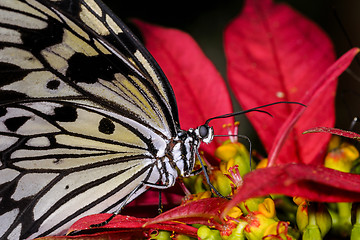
x=203, y=131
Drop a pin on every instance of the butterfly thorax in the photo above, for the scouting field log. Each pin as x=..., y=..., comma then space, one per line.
x=186, y=145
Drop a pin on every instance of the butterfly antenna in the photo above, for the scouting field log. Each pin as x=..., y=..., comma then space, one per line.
x=256, y=109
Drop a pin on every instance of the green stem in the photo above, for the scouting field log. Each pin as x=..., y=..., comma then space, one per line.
x=344, y=209
x=312, y=231
x=355, y=232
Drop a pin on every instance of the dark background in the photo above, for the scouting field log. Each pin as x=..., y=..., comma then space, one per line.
x=206, y=20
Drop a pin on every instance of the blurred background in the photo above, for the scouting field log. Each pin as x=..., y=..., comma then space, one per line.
x=205, y=21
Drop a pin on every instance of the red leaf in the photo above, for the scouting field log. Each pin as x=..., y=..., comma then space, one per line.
x=275, y=54
x=335, y=131
x=123, y=226
x=200, y=211
x=316, y=183
x=119, y=221
x=199, y=89
x=312, y=94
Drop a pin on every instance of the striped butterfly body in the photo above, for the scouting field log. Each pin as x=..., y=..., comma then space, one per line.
x=87, y=118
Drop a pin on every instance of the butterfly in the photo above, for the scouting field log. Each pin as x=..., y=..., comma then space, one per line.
x=88, y=120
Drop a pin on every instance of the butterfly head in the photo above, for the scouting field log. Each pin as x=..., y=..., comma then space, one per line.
x=205, y=133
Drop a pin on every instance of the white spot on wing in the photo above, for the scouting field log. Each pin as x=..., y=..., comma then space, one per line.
x=113, y=25
x=93, y=22
x=31, y=183
x=21, y=20
x=19, y=57
x=15, y=234
x=44, y=107
x=6, y=220
x=38, y=142
x=9, y=35
x=77, y=44
x=35, y=85
x=7, y=175
x=20, y=6
x=95, y=7
x=7, y=141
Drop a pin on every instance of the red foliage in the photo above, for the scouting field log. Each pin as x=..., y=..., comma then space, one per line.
x=318, y=90
x=275, y=54
x=312, y=182
x=204, y=211
x=121, y=227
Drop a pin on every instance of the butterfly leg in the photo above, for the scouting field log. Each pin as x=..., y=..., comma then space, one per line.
x=207, y=177
x=196, y=172
x=168, y=184
x=160, y=206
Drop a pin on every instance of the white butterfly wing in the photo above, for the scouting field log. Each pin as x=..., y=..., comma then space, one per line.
x=85, y=113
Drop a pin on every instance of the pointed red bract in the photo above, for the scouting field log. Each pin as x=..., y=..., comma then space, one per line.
x=316, y=91
x=315, y=183
x=204, y=211
x=199, y=89
x=275, y=54
x=334, y=131
x=122, y=227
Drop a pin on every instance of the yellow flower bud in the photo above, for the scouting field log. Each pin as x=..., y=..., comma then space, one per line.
x=302, y=218
x=257, y=226
x=226, y=151
x=267, y=208
x=263, y=163
x=231, y=154
x=160, y=235
x=342, y=157
x=205, y=233
x=299, y=200
x=221, y=182
x=234, y=212
x=278, y=230
x=251, y=204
